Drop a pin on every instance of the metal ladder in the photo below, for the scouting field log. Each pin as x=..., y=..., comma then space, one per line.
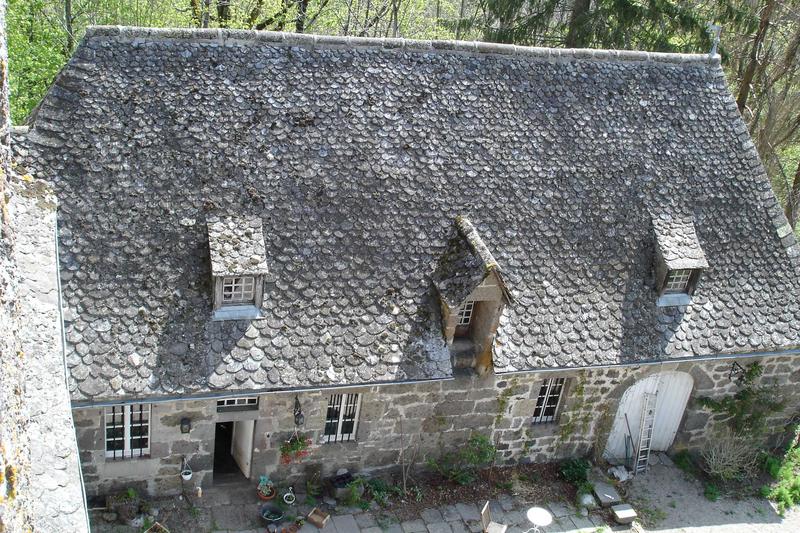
x=645, y=433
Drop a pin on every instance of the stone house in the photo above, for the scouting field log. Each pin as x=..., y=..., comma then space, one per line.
x=400, y=241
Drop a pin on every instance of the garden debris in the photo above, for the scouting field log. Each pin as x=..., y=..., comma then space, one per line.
x=619, y=472
x=606, y=494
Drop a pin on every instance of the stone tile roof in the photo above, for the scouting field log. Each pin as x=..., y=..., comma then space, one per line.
x=463, y=265
x=358, y=154
x=236, y=244
x=677, y=241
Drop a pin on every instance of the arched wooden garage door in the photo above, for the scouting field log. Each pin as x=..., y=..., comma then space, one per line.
x=673, y=390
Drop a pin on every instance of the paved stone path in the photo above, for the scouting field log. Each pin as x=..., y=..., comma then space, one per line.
x=672, y=503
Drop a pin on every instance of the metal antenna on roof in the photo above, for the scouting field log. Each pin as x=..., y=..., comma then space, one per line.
x=713, y=30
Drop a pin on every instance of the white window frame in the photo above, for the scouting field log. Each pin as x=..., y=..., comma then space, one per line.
x=465, y=313
x=549, y=386
x=677, y=281
x=345, y=407
x=242, y=290
x=235, y=404
x=127, y=452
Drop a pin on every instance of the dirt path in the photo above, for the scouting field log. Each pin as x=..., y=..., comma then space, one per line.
x=675, y=503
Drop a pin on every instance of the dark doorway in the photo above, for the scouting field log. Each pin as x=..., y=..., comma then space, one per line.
x=225, y=467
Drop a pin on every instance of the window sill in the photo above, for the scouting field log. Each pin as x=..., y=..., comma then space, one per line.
x=111, y=459
x=674, y=300
x=237, y=312
x=345, y=443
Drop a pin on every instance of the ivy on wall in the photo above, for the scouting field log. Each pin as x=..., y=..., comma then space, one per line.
x=748, y=409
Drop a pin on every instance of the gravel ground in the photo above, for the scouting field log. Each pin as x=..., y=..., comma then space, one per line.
x=674, y=502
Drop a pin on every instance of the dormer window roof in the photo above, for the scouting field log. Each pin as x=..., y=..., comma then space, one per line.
x=238, y=266
x=680, y=259
x=472, y=296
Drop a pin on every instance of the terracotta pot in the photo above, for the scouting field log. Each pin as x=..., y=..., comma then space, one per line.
x=266, y=498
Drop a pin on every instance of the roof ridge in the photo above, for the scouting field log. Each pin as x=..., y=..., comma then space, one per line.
x=470, y=234
x=480, y=47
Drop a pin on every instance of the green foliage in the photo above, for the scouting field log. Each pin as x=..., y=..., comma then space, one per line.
x=380, y=491
x=575, y=471
x=505, y=485
x=711, y=492
x=683, y=460
x=503, y=399
x=748, y=408
x=462, y=466
x=786, y=489
x=355, y=489
x=770, y=464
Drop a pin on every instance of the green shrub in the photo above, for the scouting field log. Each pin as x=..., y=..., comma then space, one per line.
x=786, y=491
x=575, y=471
x=711, y=492
x=770, y=464
x=461, y=467
x=683, y=460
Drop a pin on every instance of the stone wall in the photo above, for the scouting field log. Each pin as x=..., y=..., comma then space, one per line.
x=437, y=416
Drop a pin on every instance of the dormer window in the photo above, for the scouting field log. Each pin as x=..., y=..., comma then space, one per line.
x=238, y=267
x=238, y=290
x=465, y=313
x=472, y=294
x=677, y=281
x=679, y=260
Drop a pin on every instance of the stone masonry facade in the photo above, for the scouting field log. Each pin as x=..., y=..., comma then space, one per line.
x=437, y=416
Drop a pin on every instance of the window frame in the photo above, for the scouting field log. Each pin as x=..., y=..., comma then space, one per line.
x=680, y=278
x=343, y=417
x=465, y=312
x=548, y=385
x=240, y=403
x=127, y=424
x=238, y=284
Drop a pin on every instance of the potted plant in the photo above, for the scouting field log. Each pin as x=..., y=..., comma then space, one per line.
x=266, y=489
x=295, y=448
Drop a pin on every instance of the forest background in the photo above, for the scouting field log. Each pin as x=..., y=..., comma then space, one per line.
x=759, y=43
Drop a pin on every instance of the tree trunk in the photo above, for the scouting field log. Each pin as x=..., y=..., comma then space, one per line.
x=302, y=9
x=223, y=13
x=194, y=8
x=752, y=63
x=793, y=200
x=576, y=37
x=460, y=19
x=68, y=27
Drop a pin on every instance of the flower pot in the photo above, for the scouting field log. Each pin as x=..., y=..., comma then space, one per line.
x=266, y=498
x=186, y=475
x=271, y=513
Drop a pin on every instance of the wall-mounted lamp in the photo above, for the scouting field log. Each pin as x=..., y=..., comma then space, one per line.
x=736, y=370
x=186, y=425
x=299, y=417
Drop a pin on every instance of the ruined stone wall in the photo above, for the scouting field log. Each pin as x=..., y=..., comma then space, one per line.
x=437, y=416
x=15, y=504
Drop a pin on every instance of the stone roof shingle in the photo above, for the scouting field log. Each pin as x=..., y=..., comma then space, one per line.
x=357, y=155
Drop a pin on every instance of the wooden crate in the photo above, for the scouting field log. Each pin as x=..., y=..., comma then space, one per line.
x=318, y=518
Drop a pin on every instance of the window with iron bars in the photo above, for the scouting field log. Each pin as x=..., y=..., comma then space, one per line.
x=238, y=290
x=465, y=313
x=237, y=404
x=127, y=430
x=548, y=400
x=341, y=420
x=677, y=281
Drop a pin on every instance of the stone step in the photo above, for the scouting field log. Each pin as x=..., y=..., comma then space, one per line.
x=606, y=494
x=624, y=513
